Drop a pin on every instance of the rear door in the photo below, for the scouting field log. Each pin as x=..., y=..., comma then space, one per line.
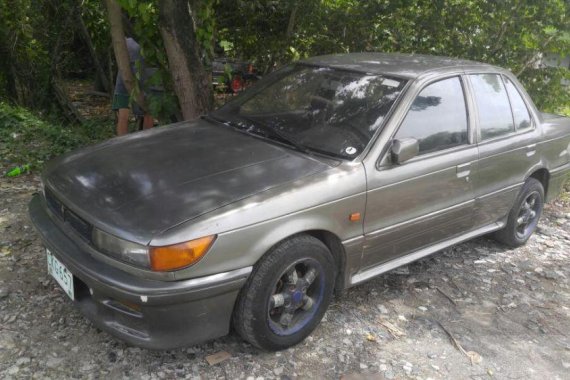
x=430, y=197
x=507, y=148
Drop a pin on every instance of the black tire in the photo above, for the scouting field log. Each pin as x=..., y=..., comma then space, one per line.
x=260, y=317
x=523, y=217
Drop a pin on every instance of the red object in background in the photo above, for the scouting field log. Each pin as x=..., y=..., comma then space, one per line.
x=237, y=83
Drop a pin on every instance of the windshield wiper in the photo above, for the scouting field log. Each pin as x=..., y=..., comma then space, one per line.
x=278, y=134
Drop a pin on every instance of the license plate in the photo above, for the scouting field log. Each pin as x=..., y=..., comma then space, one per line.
x=61, y=274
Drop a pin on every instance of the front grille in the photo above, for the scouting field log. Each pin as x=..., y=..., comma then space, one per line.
x=83, y=228
x=54, y=205
x=79, y=225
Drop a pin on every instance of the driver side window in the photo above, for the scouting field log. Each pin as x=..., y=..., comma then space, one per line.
x=437, y=117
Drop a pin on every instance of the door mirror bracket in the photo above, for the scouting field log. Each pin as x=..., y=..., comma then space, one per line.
x=404, y=149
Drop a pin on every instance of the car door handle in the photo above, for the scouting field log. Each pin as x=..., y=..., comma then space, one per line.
x=530, y=150
x=464, y=170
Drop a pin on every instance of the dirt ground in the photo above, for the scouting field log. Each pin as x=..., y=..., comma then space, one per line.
x=475, y=311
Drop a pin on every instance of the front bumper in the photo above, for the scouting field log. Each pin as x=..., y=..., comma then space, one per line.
x=143, y=312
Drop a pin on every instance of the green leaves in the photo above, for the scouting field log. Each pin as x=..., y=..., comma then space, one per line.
x=26, y=141
x=506, y=33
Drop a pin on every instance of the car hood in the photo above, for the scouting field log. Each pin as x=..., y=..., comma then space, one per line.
x=143, y=184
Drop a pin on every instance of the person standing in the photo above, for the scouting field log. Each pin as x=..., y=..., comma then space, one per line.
x=121, y=97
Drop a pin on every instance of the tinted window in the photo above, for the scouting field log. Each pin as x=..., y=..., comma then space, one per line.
x=437, y=118
x=328, y=111
x=495, y=117
x=520, y=112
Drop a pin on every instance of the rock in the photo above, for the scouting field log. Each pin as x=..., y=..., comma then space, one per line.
x=278, y=371
x=544, y=231
x=13, y=370
x=382, y=309
x=422, y=308
x=23, y=360
x=54, y=362
x=401, y=270
x=4, y=292
x=551, y=275
x=363, y=366
x=87, y=367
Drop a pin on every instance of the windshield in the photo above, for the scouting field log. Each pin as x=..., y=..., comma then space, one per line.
x=328, y=111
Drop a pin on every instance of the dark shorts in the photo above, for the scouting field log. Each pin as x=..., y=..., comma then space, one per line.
x=121, y=98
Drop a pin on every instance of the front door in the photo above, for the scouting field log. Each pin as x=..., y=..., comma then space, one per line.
x=430, y=197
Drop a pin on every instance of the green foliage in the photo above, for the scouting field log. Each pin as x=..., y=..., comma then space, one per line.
x=548, y=92
x=40, y=40
x=510, y=34
x=25, y=61
x=27, y=141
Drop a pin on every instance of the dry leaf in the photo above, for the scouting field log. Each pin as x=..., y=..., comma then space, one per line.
x=370, y=338
x=218, y=357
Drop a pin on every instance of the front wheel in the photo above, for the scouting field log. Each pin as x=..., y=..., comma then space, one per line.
x=523, y=217
x=286, y=295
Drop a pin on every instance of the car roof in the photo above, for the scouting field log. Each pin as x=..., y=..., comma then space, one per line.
x=396, y=64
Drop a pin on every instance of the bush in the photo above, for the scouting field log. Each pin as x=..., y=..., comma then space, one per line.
x=26, y=139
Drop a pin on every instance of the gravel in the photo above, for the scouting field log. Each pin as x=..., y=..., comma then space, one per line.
x=474, y=311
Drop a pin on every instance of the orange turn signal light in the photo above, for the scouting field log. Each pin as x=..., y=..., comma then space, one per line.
x=354, y=217
x=181, y=255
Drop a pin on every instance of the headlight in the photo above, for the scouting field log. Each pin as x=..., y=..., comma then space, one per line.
x=121, y=249
x=166, y=258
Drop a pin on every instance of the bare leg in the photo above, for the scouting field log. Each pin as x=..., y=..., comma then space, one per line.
x=148, y=121
x=122, y=121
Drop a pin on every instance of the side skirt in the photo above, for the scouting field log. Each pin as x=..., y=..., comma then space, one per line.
x=411, y=257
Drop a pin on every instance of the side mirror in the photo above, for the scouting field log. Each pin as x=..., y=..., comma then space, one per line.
x=404, y=150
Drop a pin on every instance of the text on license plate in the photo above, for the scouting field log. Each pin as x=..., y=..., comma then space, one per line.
x=61, y=274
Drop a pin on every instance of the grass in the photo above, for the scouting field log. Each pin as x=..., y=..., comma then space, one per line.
x=27, y=140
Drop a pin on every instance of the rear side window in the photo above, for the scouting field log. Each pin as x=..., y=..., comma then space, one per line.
x=495, y=117
x=438, y=117
x=520, y=111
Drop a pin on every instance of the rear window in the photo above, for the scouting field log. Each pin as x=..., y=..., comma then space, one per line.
x=520, y=111
x=494, y=110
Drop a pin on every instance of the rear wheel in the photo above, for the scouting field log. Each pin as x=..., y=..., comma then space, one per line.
x=523, y=217
x=287, y=294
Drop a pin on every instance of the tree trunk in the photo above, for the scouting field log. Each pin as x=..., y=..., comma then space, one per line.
x=191, y=82
x=120, y=48
x=105, y=82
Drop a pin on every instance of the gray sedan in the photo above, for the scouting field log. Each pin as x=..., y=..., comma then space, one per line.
x=326, y=173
